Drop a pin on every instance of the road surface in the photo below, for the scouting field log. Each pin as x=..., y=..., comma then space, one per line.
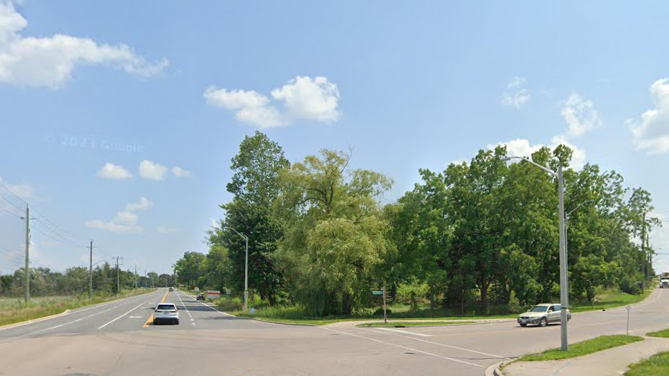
x=117, y=338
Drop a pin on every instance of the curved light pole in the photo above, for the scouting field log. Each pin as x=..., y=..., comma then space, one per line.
x=246, y=268
x=564, y=281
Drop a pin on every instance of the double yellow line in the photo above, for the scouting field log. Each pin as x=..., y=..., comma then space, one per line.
x=150, y=320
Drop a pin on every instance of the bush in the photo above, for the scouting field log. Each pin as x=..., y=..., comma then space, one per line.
x=379, y=312
x=230, y=304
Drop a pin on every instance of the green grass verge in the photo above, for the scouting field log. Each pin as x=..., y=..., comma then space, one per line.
x=15, y=310
x=414, y=323
x=612, y=299
x=656, y=365
x=582, y=348
x=660, y=333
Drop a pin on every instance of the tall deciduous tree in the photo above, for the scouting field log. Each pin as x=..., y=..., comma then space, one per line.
x=255, y=186
x=335, y=236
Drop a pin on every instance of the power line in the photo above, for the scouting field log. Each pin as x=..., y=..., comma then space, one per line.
x=64, y=241
x=53, y=225
x=10, y=213
x=11, y=203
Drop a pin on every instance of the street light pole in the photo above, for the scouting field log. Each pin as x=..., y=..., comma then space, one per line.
x=564, y=279
x=246, y=268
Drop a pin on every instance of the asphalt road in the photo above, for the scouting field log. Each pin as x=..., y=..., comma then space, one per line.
x=117, y=339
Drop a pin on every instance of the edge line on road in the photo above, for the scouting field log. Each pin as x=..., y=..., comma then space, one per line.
x=405, y=347
x=444, y=345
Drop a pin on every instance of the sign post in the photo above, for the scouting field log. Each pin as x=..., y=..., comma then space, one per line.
x=628, y=308
x=385, y=315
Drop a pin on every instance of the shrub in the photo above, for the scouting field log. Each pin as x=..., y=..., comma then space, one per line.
x=230, y=304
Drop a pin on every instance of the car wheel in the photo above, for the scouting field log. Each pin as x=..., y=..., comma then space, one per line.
x=176, y=322
x=155, y=322
x=523, y=325
x=543, y=322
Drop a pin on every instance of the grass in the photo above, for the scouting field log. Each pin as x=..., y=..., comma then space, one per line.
x=661, y=334
x=396, y=324
x=656, y=365
x=14, y=310
x=611, y=299
x=582, y=348
x=295, y=315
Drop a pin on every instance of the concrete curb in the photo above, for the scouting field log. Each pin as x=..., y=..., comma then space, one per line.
x=495, y=369
x=22, y=323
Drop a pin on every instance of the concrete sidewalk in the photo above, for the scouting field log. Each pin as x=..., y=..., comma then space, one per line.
x=603, y=363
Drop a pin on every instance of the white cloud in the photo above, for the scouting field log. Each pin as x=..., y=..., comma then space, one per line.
x=303, y=98
x=652, y=132
x=112, y=171
x=143, y=204
x=49, y=61
x=180, y=172
x=515, y=94
x=124, y=221
x=152, y=171
x=580, y=115
x=523, y=148
x=25, y=190
x=167, y=230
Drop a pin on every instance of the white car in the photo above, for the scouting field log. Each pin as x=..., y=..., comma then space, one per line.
x=542, y=315
x=166, y=312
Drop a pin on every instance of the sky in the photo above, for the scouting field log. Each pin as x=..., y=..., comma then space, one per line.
x=118, y=120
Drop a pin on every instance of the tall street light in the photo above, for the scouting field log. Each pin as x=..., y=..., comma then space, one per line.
x=246, y=268
x=564, y=282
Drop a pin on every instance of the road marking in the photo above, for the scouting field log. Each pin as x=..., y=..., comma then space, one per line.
x=405, y=332
x=404, y=347
x=122, y=315
x=67, y=323
x=150, y=320
x=450, y=346
x=186, y=308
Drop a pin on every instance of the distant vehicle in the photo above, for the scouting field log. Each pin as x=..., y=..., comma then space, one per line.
x=166, y=312
x=664, y=282
x=542, y=315
x=200, y=297
x=171, y=288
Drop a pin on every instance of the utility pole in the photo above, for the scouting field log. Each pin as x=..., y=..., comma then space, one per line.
x=643, y=250
x=118, y=276
x=90, y=272
x=135, y=275
x=27, y=271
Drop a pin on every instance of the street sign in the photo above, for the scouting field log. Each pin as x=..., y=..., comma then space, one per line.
x=628, y=308
x=377, y=292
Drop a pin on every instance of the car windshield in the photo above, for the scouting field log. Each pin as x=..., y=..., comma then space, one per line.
x=539, y=309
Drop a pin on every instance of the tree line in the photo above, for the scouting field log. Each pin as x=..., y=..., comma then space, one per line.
x=76, y=280
x=477, y=235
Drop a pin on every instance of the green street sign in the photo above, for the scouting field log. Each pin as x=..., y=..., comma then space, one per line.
x=377, y=292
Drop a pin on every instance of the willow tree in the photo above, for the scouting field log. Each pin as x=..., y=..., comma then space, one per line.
x=335, y=233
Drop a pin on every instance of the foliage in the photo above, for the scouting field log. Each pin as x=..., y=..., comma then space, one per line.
x=335, y=236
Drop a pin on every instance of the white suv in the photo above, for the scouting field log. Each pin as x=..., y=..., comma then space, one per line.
x=167, y=312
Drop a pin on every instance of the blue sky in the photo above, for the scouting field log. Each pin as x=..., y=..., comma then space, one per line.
x=118, y=119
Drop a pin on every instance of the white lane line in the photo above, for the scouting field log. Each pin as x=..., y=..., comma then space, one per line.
x=445, y=345
x=186, y=308
x=405, y=332
x=405, y=348
x=114, y=320
x=67, y=323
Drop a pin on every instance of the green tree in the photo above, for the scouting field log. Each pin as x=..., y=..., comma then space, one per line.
x=335, y=236
x=255, y=186
x=189, y=269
